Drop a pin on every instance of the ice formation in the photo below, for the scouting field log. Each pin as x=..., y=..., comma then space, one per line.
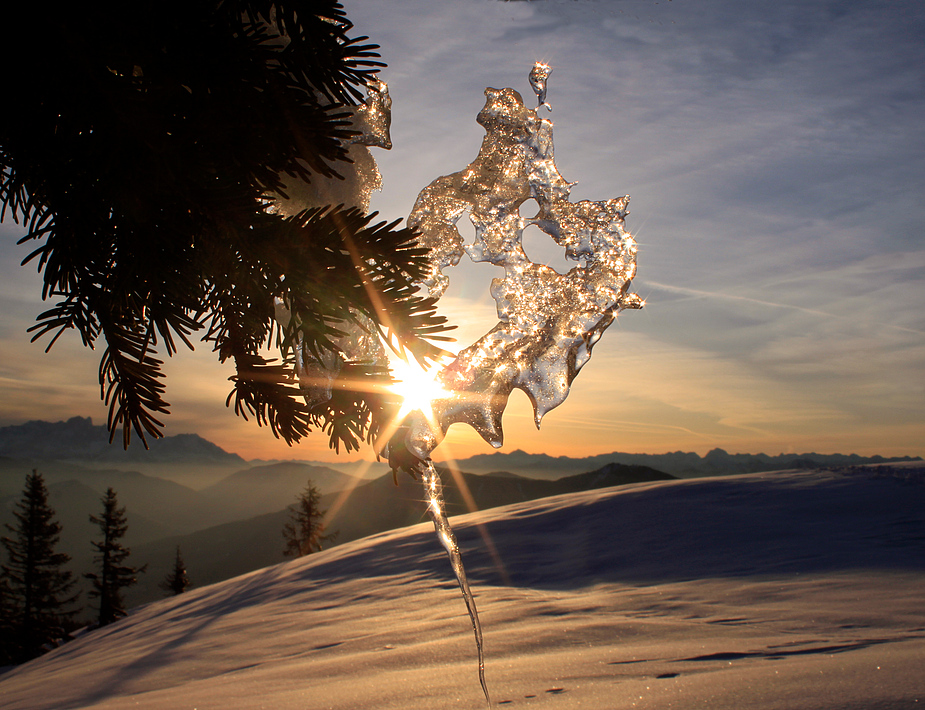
x=548, y=321
x=433, y=495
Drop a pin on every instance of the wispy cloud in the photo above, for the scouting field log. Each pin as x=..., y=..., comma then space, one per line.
x=770, y=304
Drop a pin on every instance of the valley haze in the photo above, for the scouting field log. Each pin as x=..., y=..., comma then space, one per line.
x=227, y=514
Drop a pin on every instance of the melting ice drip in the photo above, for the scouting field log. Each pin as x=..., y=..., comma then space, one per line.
x=433, y=492
x=548, y=322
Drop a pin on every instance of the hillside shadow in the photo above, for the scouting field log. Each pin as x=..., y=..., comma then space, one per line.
x=749, y=526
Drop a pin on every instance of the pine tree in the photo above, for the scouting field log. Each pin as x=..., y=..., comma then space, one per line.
x=37, y=584
x=6, y=621
x=304, y=533
x=177, y=581
x=114, y=575
x=141, y=149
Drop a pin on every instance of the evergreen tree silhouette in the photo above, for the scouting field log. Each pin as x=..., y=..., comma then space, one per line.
x=114, y=574
x=38, y=587
x=304, y=533
x=139, y=150
x=6, y=620
x=177, y=581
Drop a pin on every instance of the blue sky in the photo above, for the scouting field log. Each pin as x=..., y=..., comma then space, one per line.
x=775, y=155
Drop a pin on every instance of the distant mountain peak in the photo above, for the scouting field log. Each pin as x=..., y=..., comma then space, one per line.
x=78, y=421
x=678, y=463
x=78, y=439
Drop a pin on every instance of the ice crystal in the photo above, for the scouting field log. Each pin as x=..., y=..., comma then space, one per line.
x=548, y=322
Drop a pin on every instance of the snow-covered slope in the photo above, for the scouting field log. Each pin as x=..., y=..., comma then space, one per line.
x=789, y=590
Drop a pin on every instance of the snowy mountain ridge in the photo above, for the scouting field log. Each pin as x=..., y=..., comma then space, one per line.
x=80, y=440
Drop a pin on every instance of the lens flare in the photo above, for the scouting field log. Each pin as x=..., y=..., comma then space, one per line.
x=418, y=387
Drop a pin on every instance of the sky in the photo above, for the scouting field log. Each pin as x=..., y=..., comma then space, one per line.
x=775, y=158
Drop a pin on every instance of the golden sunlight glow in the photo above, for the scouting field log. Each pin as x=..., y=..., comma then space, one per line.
x=416, y=386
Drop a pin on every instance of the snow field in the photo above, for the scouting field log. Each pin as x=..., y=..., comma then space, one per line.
x=772, y=621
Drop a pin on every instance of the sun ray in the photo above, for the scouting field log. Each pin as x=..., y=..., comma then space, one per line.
x=453, y=467
x=418, y=387
x=344, y=494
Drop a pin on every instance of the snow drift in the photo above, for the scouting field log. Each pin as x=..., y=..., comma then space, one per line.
x=775, y=590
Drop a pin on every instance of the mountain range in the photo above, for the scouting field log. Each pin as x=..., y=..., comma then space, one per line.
x=233, y=524
x=678, y=463
x=78, y=439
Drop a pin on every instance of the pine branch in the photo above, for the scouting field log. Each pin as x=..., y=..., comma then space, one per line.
x=360, y=408
x=266, y=392
x=140, y=155
x=376, y=268
x=130, y=382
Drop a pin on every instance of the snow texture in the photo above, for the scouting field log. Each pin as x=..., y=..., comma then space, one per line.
x=792, y=590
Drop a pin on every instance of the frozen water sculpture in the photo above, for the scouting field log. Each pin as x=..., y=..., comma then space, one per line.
x=548, y=322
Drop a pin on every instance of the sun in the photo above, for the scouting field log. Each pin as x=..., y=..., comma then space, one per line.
x=416, y=386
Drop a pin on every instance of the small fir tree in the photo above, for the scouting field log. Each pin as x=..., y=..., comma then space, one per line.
x=114, y=574
x=6, y=618
x=304, y=533
x=177, y=581
x=37, y=586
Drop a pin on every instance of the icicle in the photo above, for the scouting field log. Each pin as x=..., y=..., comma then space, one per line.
x=548, y=322
x=433, y=489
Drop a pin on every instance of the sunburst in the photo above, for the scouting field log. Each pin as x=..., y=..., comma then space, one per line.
x=418, y=387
